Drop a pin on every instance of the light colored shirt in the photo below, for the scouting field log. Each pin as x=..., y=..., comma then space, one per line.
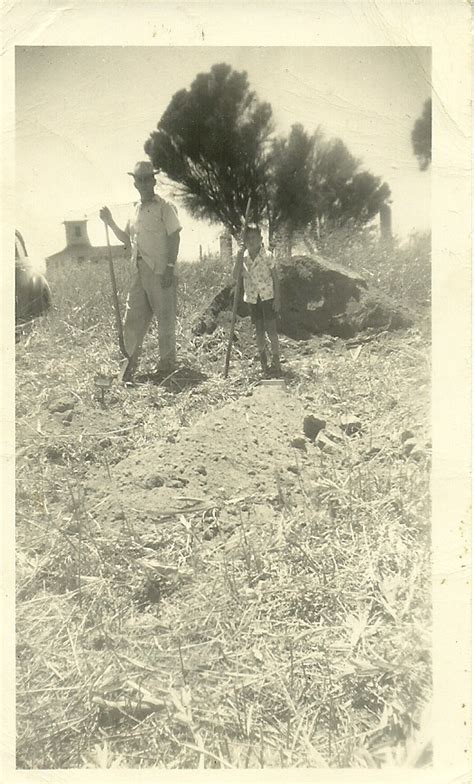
x=149, y=227
x=257, y=275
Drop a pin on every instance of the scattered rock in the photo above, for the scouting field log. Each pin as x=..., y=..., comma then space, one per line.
x=154, y=480
x=329, y=342
x=61, y=404
x=413, y=449
x=299, y=443
x=292, y=469
x=350, y=424
x=179, y=481
x=418, y=453
x=312, y=425
x=99, y=642
x=201, y=469
x=408, y=446
x=54, y=454
x=327, y=445
x=67, y=419
x=406, y=435
x=105, y=442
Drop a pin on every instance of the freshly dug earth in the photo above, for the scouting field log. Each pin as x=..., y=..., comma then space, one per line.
x=318, y=297
x=240, y=452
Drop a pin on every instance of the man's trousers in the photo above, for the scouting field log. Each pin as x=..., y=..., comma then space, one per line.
x=148, y=298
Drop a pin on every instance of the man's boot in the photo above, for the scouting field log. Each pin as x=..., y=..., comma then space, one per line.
x=127, y=370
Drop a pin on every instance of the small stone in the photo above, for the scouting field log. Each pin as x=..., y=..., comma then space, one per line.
x=312, y=426
x=60, y=405
x=292, y=469
x=99, y=642
x=350, y=424
x=299, y=443
x=201, y=469
x=411, y=448
x=67, y=418
x=407, y=435
x=105, y=442
x=408, y=446
x=177, y=482
x=54, y=454
x=328, y=343
x=327, y=445
x=154, y=480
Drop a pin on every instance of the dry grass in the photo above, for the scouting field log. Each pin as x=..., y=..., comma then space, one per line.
x=296, y=638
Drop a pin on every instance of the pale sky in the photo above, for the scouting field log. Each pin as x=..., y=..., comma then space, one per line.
x=84, y=113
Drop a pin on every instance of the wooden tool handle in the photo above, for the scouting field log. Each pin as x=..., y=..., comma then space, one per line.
x=236, y=296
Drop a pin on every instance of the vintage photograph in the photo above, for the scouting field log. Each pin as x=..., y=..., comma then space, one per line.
x=223, y=429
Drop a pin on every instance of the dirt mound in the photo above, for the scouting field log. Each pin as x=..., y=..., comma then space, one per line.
x=223, y=457
x=318, y=297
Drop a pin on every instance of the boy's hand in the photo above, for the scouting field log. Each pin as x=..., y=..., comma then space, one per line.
x=106, y=216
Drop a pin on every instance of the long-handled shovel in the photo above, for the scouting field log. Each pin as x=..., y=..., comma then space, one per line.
x=118, y=317
x=238, y=282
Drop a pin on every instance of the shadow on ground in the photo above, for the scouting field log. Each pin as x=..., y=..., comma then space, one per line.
x=181, y=379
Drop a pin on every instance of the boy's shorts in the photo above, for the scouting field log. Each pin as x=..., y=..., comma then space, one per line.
x=262, y=310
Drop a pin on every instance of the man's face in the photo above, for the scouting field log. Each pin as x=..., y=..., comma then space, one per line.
x=145, y=185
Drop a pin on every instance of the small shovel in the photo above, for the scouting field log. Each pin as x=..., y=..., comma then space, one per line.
x=118, y=318
x=236, y=297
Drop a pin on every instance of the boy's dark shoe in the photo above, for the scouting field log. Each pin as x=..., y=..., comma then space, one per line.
x=275, y=369
x=263, y=361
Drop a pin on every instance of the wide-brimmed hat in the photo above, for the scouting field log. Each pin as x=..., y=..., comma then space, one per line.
x=143, y=169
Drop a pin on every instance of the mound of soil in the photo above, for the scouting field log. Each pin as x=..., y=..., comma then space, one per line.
x=318, y=297
x=224, y=456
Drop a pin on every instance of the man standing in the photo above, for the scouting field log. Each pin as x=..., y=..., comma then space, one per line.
x=152, y=235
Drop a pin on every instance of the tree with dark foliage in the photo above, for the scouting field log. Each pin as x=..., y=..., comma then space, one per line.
x=212, y=140
x=215, y=142
x=289, y=189
x=421, y=137
x=341, y=192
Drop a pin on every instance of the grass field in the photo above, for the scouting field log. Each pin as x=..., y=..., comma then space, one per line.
x=287, y=625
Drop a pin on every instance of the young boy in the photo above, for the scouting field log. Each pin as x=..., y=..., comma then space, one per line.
x=262, y=293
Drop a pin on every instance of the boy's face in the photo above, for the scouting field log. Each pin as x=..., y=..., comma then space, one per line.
x=253, y=241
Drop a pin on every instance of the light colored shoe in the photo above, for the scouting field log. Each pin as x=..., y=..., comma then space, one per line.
x=127, y=369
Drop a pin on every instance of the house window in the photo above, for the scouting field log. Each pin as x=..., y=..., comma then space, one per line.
x=77, y=231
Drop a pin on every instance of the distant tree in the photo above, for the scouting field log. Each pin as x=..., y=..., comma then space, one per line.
x=289, y=191
x=318, y=182
x=421, y=137
x=213, y=141
x=341, y=192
